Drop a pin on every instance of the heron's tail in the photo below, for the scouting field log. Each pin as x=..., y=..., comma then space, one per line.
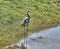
x=22, y=25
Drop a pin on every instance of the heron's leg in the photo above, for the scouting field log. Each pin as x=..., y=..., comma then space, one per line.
x=24, y=30
x=24, y=33
x=27, y=28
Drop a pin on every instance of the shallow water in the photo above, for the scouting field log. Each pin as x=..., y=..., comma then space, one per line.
x=53, y=33
x=45, y=39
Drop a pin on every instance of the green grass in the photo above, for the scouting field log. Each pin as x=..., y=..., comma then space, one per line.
x=45, y=14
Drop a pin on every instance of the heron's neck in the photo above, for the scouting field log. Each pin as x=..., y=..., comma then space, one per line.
x=28, y=15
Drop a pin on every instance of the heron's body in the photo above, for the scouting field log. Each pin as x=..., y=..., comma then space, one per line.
x=25, y=21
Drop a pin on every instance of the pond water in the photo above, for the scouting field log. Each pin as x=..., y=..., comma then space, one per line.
x=52, y=33
x=45, y=39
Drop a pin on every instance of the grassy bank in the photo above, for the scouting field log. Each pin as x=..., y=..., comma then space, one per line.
x=45, y=14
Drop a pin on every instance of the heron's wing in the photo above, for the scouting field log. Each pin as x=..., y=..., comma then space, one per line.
x=24, y=20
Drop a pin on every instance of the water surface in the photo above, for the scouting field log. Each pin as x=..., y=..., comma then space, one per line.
x=46, y=39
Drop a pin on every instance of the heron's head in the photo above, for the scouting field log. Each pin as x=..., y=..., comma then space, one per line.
x=29, y=11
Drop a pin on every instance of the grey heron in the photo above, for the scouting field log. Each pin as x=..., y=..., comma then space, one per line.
x=26, y=20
